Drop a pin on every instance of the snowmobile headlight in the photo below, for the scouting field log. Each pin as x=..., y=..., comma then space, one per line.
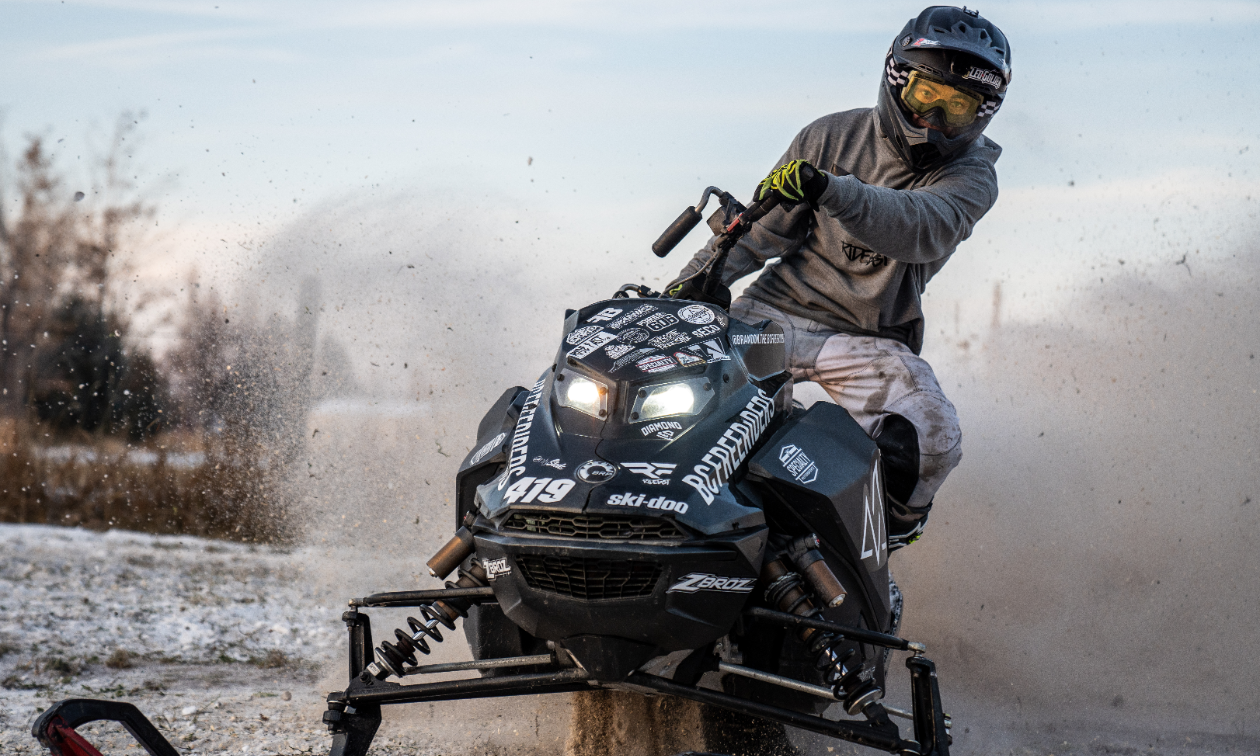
x=582, y=394
x=671, y=399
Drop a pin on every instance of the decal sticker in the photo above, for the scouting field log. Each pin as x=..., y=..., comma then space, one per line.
x=627, y=359
x=617, y=350
x=606, y=314
x=596, y=471
x=631, y=316
x=925, y=42
x=590, y=345
x=712, y=351
x=659, y=322
x=545, y=490
x=496, y=567
x=703, y=581
x=657, y=363
x=654, y=473
x=703, y=332
x=984, y=76
x=697, y=314
x=673, y=338
x=686, y=359
x=797, y=464
x=632, y=335
x=641, y=500
x=554, y=464
x=662, y=429
x=874, y=534
x=581, y=334
x=719, y=463
x=520, y=436
x=490, y=446
x=739, y=339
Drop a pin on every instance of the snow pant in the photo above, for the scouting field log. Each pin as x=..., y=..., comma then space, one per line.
x=882, y=384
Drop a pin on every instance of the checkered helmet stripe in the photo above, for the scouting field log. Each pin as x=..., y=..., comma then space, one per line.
x=898, y=76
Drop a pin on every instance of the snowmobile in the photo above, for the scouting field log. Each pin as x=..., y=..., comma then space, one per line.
x=654, y=514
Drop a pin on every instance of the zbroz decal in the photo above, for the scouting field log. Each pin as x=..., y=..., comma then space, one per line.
x=496, y=567
x=703, y=581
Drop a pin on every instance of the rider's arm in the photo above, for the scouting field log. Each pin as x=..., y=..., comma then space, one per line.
x=915, y=225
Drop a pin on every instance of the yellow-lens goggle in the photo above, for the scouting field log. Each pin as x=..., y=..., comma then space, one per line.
x=923, y=93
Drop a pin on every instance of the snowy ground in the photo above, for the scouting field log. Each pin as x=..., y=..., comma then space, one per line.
x=231, y=648
x=226, y=647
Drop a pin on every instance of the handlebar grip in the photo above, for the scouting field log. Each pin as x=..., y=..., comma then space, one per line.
x=689, y=219
x=760, y=209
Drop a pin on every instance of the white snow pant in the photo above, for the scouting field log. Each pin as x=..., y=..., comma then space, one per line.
x=871, y=378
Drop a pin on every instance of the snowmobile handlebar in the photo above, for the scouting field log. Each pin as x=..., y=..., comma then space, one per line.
x=691, y=217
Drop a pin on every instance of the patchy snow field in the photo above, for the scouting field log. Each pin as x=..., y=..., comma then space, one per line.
x=225, y=647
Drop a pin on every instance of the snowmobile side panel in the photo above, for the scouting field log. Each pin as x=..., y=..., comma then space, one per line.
x=826, y=469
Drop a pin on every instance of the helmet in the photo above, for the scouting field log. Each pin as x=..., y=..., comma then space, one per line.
x=949, y=68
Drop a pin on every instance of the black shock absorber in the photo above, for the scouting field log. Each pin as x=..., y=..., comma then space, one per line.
x=787, y=591
x=393, y=658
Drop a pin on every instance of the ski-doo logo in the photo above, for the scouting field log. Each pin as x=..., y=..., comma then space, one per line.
x=496, y=567
x=659, y=322
x=719, y=464
x=590, y=345
x=608, y=313
x=703, y=581
x=703, y=332
x=490, y=446
x=641, y=500
x=581, y=334
x=696, y=314
x=654, y=473
x=545, y=490
x=631, y=316
x=520, y=437
x=660, y=428
x=874, y=534
x=739, y=339
x=984, y=76
x=798, y=465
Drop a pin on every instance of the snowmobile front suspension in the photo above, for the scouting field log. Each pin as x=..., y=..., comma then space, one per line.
x=55, y=728
x=354, y=714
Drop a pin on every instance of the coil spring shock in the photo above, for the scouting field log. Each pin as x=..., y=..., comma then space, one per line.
x=391, y=657
x=842, y=673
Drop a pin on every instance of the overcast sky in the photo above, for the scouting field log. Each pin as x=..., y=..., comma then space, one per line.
x=259, y=113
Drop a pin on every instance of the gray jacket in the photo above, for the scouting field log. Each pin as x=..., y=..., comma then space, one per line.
x=860, y=264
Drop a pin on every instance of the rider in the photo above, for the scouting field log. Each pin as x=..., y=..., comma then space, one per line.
x=874, y=202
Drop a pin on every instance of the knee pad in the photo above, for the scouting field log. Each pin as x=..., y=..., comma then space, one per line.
x=898, y=443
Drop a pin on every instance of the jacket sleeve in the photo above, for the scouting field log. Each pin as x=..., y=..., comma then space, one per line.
x=918, y=225
x=781, y=232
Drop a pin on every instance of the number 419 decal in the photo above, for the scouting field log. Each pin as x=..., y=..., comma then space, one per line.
x=545, y=490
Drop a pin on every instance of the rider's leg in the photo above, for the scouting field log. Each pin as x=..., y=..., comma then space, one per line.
x=894, y=395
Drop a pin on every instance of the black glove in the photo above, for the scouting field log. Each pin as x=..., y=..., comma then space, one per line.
x=794, y=182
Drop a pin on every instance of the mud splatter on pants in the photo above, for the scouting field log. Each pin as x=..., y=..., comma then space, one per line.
x=872, y=378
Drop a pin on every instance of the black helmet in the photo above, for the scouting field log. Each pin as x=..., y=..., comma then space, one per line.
x=949, y=68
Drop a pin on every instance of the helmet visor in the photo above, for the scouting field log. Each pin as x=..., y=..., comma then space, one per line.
x=922, y=94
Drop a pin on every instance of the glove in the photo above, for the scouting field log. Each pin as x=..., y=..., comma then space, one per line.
x=794, y=182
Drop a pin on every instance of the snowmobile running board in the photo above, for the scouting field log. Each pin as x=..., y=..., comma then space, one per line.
x=354, y=714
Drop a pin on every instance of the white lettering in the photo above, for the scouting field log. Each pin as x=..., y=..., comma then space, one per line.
x=717, y=466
